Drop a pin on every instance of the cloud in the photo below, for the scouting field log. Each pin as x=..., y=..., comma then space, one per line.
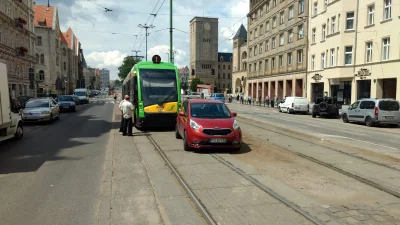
x=105, y=59
x=180, y=56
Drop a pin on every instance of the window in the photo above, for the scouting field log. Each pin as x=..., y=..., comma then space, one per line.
x=65, y=66
x=251, y=35
x=299, y=56
x=266, y=64
x=290, y=36
x=229, y=76
x=223, y=76
x=223, y=66
x=255, y=33
x=219, y=75
x=289, y=58
x=274, y=2
x=386, y=48
x=301, y=6
x=267, y=5
x=41, y=75
x=348, y=55
x=255, y=50
x=281, y=39
x=37, y=58
x=333, y=24
x=267, y=45
x=313, y=62
x=260, y=66
x=273, y=62
x=350, y=21
x=267, y=27
x=274, y=22
x=313, y=35
x=315, y=8
x=323, y=61
x=249, y=69
x=300, y=29
x=387, y=13
x=260, y=48
x=282, y=17
x=42, y=58
x=291, y=12
x=39, y=41
x=332, y=57
x=281, y=60
x=371, y=14
x=324, y=32
x=58, y=60
x=369, y=52
x=273, y=43
x=255, y=67
x=261, y=30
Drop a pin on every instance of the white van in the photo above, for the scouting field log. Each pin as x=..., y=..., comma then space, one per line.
x=294, y=104
x=83, y=95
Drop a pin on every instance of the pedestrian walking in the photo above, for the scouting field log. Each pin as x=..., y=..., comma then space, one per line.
x=121, y=127
x=276, y=101
x=249, y=99
x=115, y=97
x=266, y=101
x=259, y=100
x=127, y=110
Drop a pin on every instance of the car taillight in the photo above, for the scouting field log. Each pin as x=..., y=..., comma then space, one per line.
x=376, y=111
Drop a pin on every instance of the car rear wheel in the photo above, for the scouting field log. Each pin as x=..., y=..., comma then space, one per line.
x=287, y=110
x=185, y=144
x=177, y=135
x=314, y=115
x=344, y=118
x=19, y=133
x=369, y=122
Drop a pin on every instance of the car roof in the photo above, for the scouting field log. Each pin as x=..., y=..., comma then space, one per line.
x=204, y=101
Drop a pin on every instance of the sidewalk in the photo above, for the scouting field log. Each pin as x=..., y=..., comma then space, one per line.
x=137, y=187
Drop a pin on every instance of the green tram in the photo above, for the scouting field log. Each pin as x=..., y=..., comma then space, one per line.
x=154, y=90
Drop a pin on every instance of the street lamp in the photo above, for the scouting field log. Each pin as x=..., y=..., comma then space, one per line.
x=48, y=5
x=147, y=34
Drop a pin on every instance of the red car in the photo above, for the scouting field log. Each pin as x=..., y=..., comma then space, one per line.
x=207, y=124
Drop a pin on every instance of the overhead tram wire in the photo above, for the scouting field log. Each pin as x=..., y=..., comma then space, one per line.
x=151, y=14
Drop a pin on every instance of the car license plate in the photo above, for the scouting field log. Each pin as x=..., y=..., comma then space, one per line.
x=217, y=140
x=389, y=117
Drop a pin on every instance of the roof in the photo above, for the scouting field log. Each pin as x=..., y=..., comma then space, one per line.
x=224, y=57
x=43, y=18
x=242, y=32
x=62, y=37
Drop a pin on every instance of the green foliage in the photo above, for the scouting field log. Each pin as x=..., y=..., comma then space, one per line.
x=118, y=83
x=126, y=66
x=195, y=82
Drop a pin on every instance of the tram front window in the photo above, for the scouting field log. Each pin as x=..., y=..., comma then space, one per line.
x=158, y=86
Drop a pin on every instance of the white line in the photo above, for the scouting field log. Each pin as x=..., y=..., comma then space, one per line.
x=328, y=135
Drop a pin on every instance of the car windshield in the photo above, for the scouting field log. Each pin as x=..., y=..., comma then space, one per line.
x=219, y=95
x=37, y=104
x=80, y=93
x=158, y=86
x=209, y=110
x=389, y=105
x=327, y=100
x=65, y=98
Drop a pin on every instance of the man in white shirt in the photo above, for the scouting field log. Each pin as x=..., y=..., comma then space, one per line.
x=127, y=110
x=121, y=127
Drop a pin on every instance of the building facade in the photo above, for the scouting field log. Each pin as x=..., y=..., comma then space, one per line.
x=239, y=61
x=72, y=51
x=224, y=79
x=17, y=44
x=354, y=51
x=104, y=78
x=48, y=50
x=204, y=49
x=277, y=44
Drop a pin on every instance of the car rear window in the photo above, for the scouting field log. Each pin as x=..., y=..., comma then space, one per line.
x=389, y=105
x=301, y=101
x=219, y=95
x=65, y=98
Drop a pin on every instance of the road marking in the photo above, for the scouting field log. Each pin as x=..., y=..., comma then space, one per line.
x=337, y=136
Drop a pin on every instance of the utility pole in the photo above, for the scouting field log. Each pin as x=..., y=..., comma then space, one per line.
x=137, y=56
x=170, y=32
x=147, y=34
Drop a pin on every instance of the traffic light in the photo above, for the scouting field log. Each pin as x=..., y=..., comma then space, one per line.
x=31, y=74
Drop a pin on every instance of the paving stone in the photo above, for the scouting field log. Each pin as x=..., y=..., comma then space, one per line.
x=341, y=214
x=324, y=217
x=335, y=209
x=378, y=218
x=354, y=213
x=362, y=217
x=351, y=220
x=371, y=222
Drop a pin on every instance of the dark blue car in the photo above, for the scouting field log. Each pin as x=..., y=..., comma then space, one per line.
x=218, y=96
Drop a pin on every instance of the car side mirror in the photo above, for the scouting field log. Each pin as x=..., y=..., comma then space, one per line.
x=234, y=114
x=181, y=114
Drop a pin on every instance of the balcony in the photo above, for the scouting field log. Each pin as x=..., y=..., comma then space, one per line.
x=21, y=51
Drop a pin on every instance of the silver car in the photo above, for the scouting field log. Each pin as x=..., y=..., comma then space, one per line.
x=41, y=109
x=373, y=112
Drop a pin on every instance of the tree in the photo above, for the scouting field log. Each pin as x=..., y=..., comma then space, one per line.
x=195, y=82
x=117, y=83
x=126, y=66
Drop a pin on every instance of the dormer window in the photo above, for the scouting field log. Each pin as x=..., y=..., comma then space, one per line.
x=221, y=58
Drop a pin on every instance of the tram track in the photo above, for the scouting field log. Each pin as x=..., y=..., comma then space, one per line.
x=203, y=210
x=331, y=166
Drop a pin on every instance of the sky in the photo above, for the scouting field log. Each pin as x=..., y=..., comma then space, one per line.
x=108, y=37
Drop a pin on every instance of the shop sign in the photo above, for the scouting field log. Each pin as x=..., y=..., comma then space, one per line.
x=317, y=77
x=363, y=73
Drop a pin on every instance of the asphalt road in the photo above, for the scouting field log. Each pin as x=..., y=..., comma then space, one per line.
x=381, y=139
x=53, y=175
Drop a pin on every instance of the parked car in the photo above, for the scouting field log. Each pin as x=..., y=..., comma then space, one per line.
x=294, y=104
x=194, y=95
x=76, y=99
x=207, y=124
x=66, y=103
x=218, y=96
x=373, y=112
x=326, y=106
x=41, y=109
x=22, y=100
